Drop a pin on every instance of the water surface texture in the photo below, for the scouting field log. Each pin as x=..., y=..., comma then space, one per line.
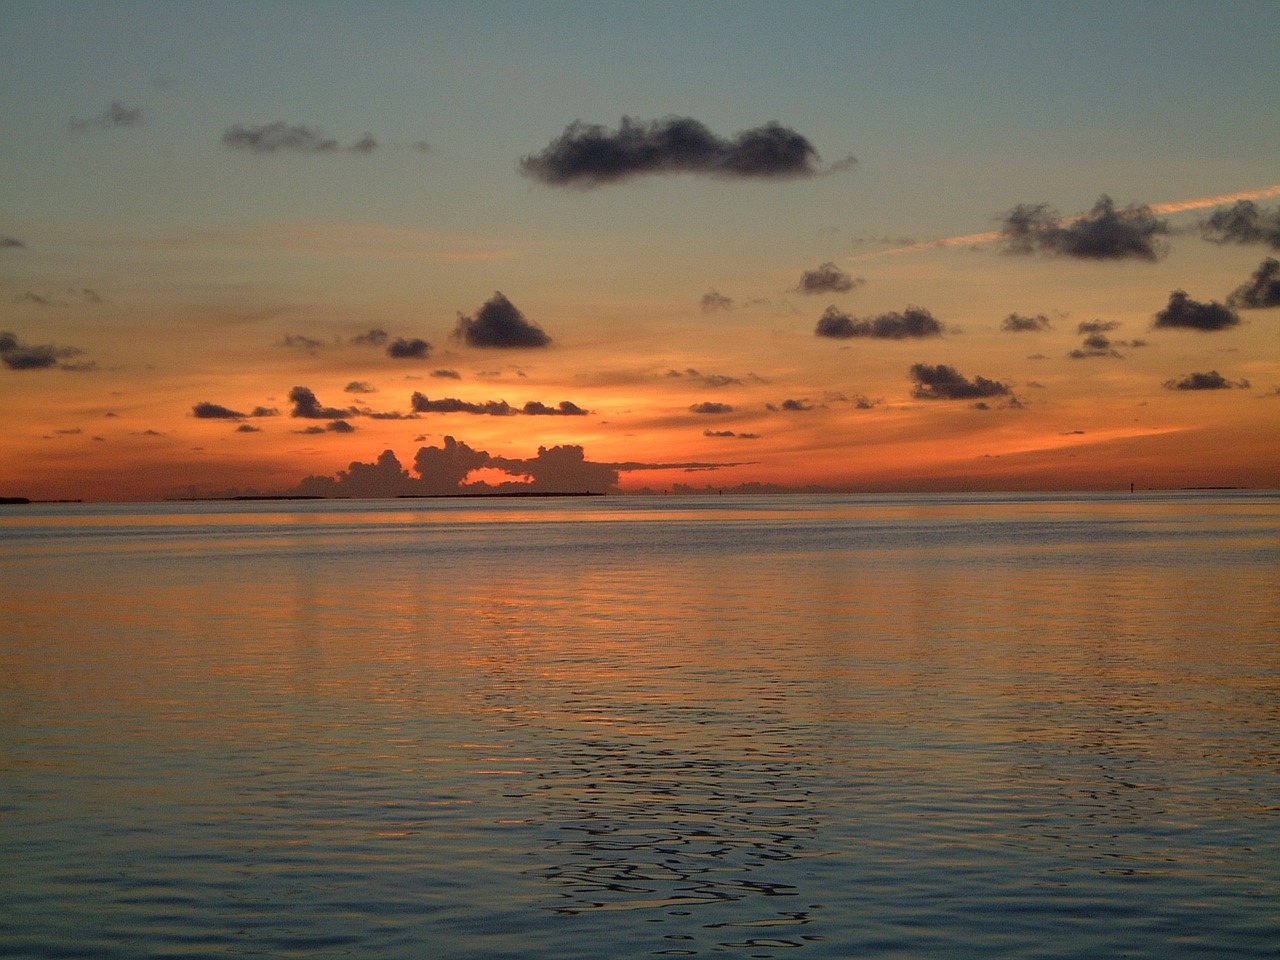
x=926, y=726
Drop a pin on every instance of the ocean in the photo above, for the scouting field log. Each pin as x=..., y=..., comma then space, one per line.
x=1016, y=726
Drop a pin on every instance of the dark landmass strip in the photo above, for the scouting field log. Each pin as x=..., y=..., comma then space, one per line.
x=11, y=500
x=513, y=493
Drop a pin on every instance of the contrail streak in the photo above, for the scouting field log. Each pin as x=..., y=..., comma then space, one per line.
x=1178, y=206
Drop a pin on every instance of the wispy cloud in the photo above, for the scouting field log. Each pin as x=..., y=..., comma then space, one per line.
x=281, y=137
x=114, y=117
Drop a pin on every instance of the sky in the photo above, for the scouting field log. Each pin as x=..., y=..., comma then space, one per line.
x=385, y=248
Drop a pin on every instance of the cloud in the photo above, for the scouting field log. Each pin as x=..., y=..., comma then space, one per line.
x=17, y=355
x=827, y=278
x=215, y=411
x=1104, y=233
x=296, y=341
x=914, y=322
x=1244, y=223
x=711, y=407
x=943, y=382
x=713, y=301
x=1017, y=323
x=1262, y=290
x=1183, y=312
x=374, y=338
x=11, y=243
x=730, y=433
x=499, y=323
x=402, y=349
x=359, y=386
x=1094, y=345
x=490, y=408
x=1212, y=380
x=442, y=469
x=333, y=426
x=1097, y=326
x=791, y=406
x=588, y=155
x=248, y=428
x=282, y=137
x=306, y=405
x=706, y=379
x=564, y=408
x=116, y=116
x=446, y=374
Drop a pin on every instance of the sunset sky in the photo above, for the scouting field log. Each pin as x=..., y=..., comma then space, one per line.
x=863, y=246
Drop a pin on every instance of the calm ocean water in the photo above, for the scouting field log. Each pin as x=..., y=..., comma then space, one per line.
x=925, y=726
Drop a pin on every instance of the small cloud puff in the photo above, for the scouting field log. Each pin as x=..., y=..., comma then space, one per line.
x=414, y=349
x=1017, y=323
x=1244, y=223
x=499, y=323
x=712, y=407
x=17, y=355
x=827, y=278
x=713, y=301
x=1212, y=380
x=281, y=137
x=1104, y=233
x=1262, y=290
x=1185, y=313
x=943, y=382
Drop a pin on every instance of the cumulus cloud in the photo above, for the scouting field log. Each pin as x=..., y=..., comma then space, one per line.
x=1245, y=222
x=589, y=155
x=414, y=349
x=711, y=407
x=499, y=323
x=564, y=408
x=116, y=116
x=1262, y=290
x=1018, y=323
x=1212, y=380
x=359, y=386
x=914, y=322
x=791, y=406
x=215, y=411
x=1185, y=313
x=333, y=426
x=306, y=406
x=943, y=382
x=281, y=137
x=827, y=278
x=713, y=301
x=490, y=408
x=1104, y=233
x=17, y=355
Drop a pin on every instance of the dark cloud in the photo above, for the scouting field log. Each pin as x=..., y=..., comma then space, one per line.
x=561, y=469
x=248, y=428
x=442, y=469
x=713, y=301
x=1244, y=223
x=11, y=243
x=589, y=155
x=564, y=408
x=374, y=338
x=1212, y=380
x=499, y=323
x=943, y=382
x=402, y=349
x=446, y=374
x=1094, y=345
x=265, y=412
x=1262, y=290
x=295, y=341
x=827, y=278
x=1097, y=326
x=914, y=322
x=730, y=433
x=1104, y=233
x=490, y=408
x=215, y=411
x=306, y=405
x=791, y=406
x=1183, y=312
x=706, y=379
x=359, y=386
x=1018, y=323
x=114, y=117
x=333, y=426
x=711, y=407
x=282, y=137
x=17, y=355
